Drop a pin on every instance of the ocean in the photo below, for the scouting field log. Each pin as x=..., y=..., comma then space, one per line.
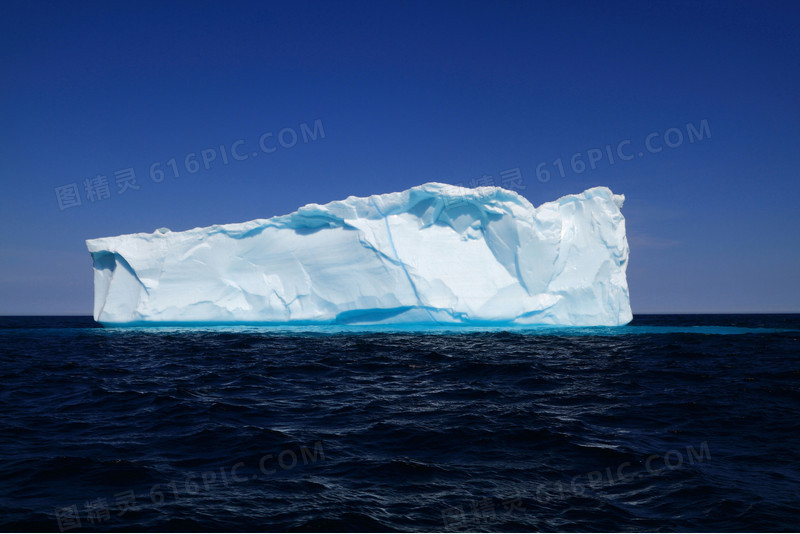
x=673, y=423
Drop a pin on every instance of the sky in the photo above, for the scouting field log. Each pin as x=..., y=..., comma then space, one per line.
x=127, y=117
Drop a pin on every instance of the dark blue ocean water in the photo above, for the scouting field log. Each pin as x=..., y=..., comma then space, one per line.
x=674, y=423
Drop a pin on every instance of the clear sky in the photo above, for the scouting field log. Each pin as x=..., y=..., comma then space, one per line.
x=319, y=101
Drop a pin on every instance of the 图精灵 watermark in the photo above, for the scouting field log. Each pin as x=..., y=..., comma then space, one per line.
x=625, y=150
x=481, y=513
x=510, y=179
x=99, y=509
x=100, y=187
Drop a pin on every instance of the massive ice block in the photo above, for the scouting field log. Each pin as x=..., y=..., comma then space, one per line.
x=434, y=254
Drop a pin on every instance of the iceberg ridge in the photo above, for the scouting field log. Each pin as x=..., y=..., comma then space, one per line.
x=434, y=253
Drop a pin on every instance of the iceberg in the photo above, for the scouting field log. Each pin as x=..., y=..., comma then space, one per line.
x=433, y=254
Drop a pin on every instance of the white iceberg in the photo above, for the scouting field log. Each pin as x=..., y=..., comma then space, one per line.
x=434, y=254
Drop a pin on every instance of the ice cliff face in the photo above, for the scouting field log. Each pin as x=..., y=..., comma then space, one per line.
x=432, y=254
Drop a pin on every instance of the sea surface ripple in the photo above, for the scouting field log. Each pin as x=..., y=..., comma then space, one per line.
x=674, y=423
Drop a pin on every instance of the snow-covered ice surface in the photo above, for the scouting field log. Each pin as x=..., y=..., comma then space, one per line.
x=434, y=254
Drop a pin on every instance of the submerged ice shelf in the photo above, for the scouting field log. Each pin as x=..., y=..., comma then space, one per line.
x=433, y=254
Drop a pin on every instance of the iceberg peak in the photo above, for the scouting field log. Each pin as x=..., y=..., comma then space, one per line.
x=434, y=253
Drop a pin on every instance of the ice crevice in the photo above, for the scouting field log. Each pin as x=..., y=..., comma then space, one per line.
x=400, y=262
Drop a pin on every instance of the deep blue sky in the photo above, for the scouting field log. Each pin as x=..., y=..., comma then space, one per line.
x=407, y=93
